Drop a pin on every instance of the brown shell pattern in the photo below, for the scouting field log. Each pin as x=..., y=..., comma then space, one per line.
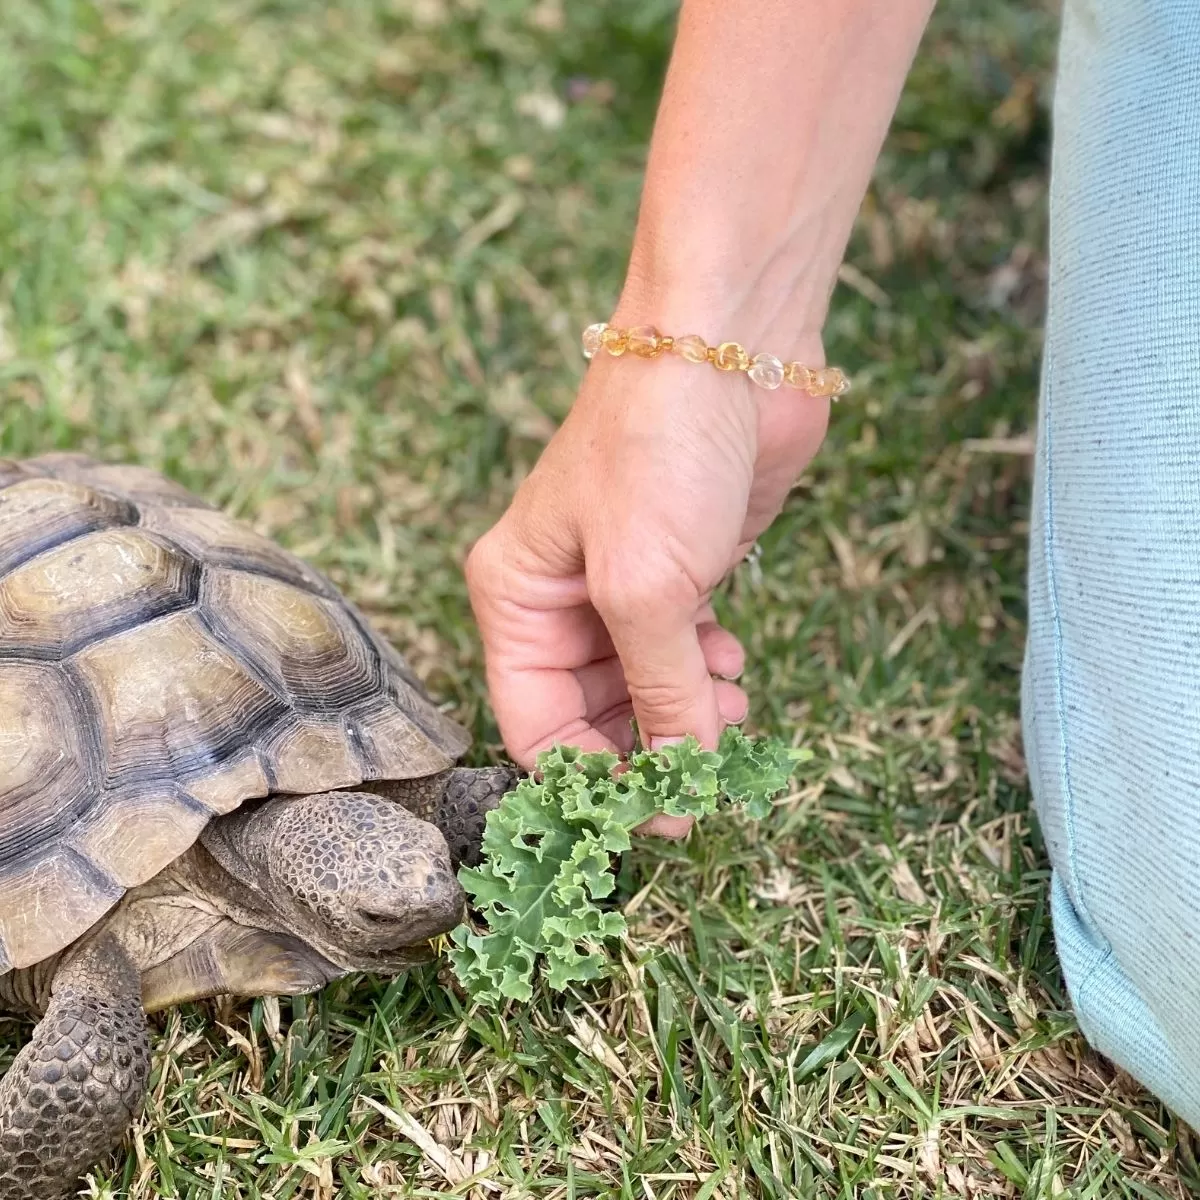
x=160, y=663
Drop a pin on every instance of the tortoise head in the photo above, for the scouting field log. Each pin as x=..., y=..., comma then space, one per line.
x=355, y=875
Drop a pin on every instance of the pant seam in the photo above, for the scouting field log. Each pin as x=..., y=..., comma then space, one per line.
x=1059, y=658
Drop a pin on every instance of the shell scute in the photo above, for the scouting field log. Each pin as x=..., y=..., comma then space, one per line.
x=11, y=472
x=39, y=514
x=219, y=540
x=396, y=744
x=142, y=485
x=170, y=700
x=91, y=586
x=304, y=643
x=36, y=897
x=311, y=756
x=48, y=758
x=222, y=788
x=137, y=836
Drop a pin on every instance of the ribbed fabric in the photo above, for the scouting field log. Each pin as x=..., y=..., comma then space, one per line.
x=1111, y=694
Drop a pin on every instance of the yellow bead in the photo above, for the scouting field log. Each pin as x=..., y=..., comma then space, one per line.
x=797, y=375
x=731, y=356
x=644, y=341
x=843, y=385
x=593, y=339
x=826, y=381
x=615, y=341
x=691, y=347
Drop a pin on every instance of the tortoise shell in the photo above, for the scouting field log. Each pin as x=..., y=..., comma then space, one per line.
x=161, y=663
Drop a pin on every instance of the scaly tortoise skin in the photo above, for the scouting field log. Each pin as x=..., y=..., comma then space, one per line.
x=215, y=778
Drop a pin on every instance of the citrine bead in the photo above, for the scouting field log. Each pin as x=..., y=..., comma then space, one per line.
x=797, y=375
x=767, y=371
x=644, y=341
x=691, y=347
x=731, y=356
x=593, y=337
x=615, y=341
x=826, y=381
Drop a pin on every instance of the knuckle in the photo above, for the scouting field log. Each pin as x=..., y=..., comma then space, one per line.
x=629, y=587
x=485, y=562
x=664, y=700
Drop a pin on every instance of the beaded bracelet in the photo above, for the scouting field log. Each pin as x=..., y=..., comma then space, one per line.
x=766, y=370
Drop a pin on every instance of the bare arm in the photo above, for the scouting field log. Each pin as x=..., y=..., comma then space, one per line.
x=771, y=120
x=592, y=593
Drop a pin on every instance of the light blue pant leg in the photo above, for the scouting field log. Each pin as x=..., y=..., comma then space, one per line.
x=1112, y=681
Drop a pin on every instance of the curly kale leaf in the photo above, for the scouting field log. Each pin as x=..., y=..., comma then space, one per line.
x=549, y=851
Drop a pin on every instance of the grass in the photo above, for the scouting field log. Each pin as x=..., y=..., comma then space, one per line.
x=326, y=264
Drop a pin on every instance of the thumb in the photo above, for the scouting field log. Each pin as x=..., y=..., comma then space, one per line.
x=651, y=611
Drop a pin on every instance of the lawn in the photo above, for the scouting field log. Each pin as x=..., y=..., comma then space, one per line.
x=326, y=264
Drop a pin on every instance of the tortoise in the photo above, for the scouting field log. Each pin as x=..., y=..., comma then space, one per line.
x=215, y=779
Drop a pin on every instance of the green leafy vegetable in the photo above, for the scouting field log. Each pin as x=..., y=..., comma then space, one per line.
x=548, y=852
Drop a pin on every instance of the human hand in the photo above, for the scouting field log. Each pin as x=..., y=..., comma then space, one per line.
x=593, y=592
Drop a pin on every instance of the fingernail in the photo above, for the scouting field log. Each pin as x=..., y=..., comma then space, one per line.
x=669, y=827
x=657, y=743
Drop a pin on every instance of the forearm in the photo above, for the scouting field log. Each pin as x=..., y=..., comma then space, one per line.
x=771, y=120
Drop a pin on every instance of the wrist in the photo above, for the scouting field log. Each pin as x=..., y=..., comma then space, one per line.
x=767, y=300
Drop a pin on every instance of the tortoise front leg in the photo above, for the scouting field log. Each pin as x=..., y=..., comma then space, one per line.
x=71, y=1093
